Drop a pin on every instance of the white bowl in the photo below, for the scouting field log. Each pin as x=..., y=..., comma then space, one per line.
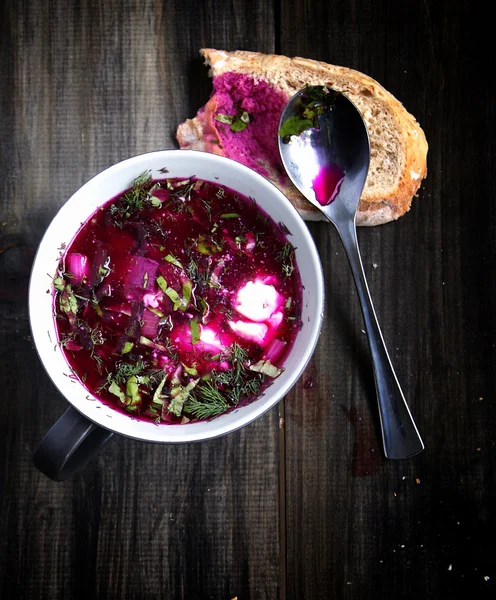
x=103, y=187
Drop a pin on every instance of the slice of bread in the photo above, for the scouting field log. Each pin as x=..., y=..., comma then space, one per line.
x=263, y=83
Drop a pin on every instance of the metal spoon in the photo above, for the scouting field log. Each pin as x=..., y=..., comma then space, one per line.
x=329, y=165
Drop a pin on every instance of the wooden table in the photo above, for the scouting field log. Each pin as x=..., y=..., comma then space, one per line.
x=301, y=504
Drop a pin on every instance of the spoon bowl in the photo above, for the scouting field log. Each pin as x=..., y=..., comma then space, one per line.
x=325, y=149
x=341, y=141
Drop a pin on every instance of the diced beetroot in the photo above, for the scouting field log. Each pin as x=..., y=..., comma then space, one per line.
x=77, y=267
x=274, y=350
x=149, y=324
x=172, y=275
x=161, y=194
x=98, y=269
x=115, y=321
x=124, y=308
x=134, y=327
x=103, y=290
x=141, y=273
x=70, y=345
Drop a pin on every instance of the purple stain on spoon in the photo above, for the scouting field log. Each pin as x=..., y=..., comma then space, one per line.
x=328, y=183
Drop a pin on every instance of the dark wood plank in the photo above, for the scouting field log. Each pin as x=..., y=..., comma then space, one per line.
x=83, y=86
x=359, y=526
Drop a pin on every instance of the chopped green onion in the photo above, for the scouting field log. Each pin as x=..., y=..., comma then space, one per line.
x=132, y=391
x=266, y=368
x=162, y=284
x=116, y=390
x=128, y=346
x=179, y=396
x=157, y=397
x=173, y=260
x=195, y=330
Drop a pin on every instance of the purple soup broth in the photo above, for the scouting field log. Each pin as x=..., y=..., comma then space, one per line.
x=177, y=300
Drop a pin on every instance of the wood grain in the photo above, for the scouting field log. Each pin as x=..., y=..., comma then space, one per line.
x=358, y=525
x=84, y=86
x=303, y=507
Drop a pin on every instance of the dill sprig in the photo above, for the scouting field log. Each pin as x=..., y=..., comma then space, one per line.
x=199, y=276
x=246, y=390
x=125, y=370
x=286, y=257
x=134, y=200
x=206, y=401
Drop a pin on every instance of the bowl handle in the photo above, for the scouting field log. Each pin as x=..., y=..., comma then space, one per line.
x=69, y=444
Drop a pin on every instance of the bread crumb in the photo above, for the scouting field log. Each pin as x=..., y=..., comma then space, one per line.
x=417, y=480
x=375, y=265
x=450, y=568
x=486, y=578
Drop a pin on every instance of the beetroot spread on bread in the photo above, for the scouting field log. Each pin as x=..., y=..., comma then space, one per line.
x=256, y=144
x=260, y=85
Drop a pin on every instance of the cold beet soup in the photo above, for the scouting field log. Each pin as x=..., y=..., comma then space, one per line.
x=178, y=300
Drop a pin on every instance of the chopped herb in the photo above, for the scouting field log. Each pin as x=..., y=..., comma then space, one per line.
x=156, y=311
x=179, y=395
x=187, y=291
x=96, y=336
x=190, y=370
x=222, y=118
x=162, y=284
x=195, y=330
x=126, y=370
x=295, y=125
x=68, y=303
x=286, y=257
x=207, y=246
x=171, y=350
x=175, y=298
x=59, y=283
x=132, y=201
x=206, y=402
x=266, y=368
x=133, y=396
x=128, y=346
x=157, y=396
x=142, y=179
x=314, y=101
x=104, y=270
x=237, y=122
x=229, y=215
x=116, y=390
x=166, y=322
x=173, y=260
x=151, y=344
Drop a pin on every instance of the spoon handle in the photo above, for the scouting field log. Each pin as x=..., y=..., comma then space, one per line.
x=400, y=435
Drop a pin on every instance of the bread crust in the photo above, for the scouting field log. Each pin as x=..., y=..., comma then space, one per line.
x=377, y=206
